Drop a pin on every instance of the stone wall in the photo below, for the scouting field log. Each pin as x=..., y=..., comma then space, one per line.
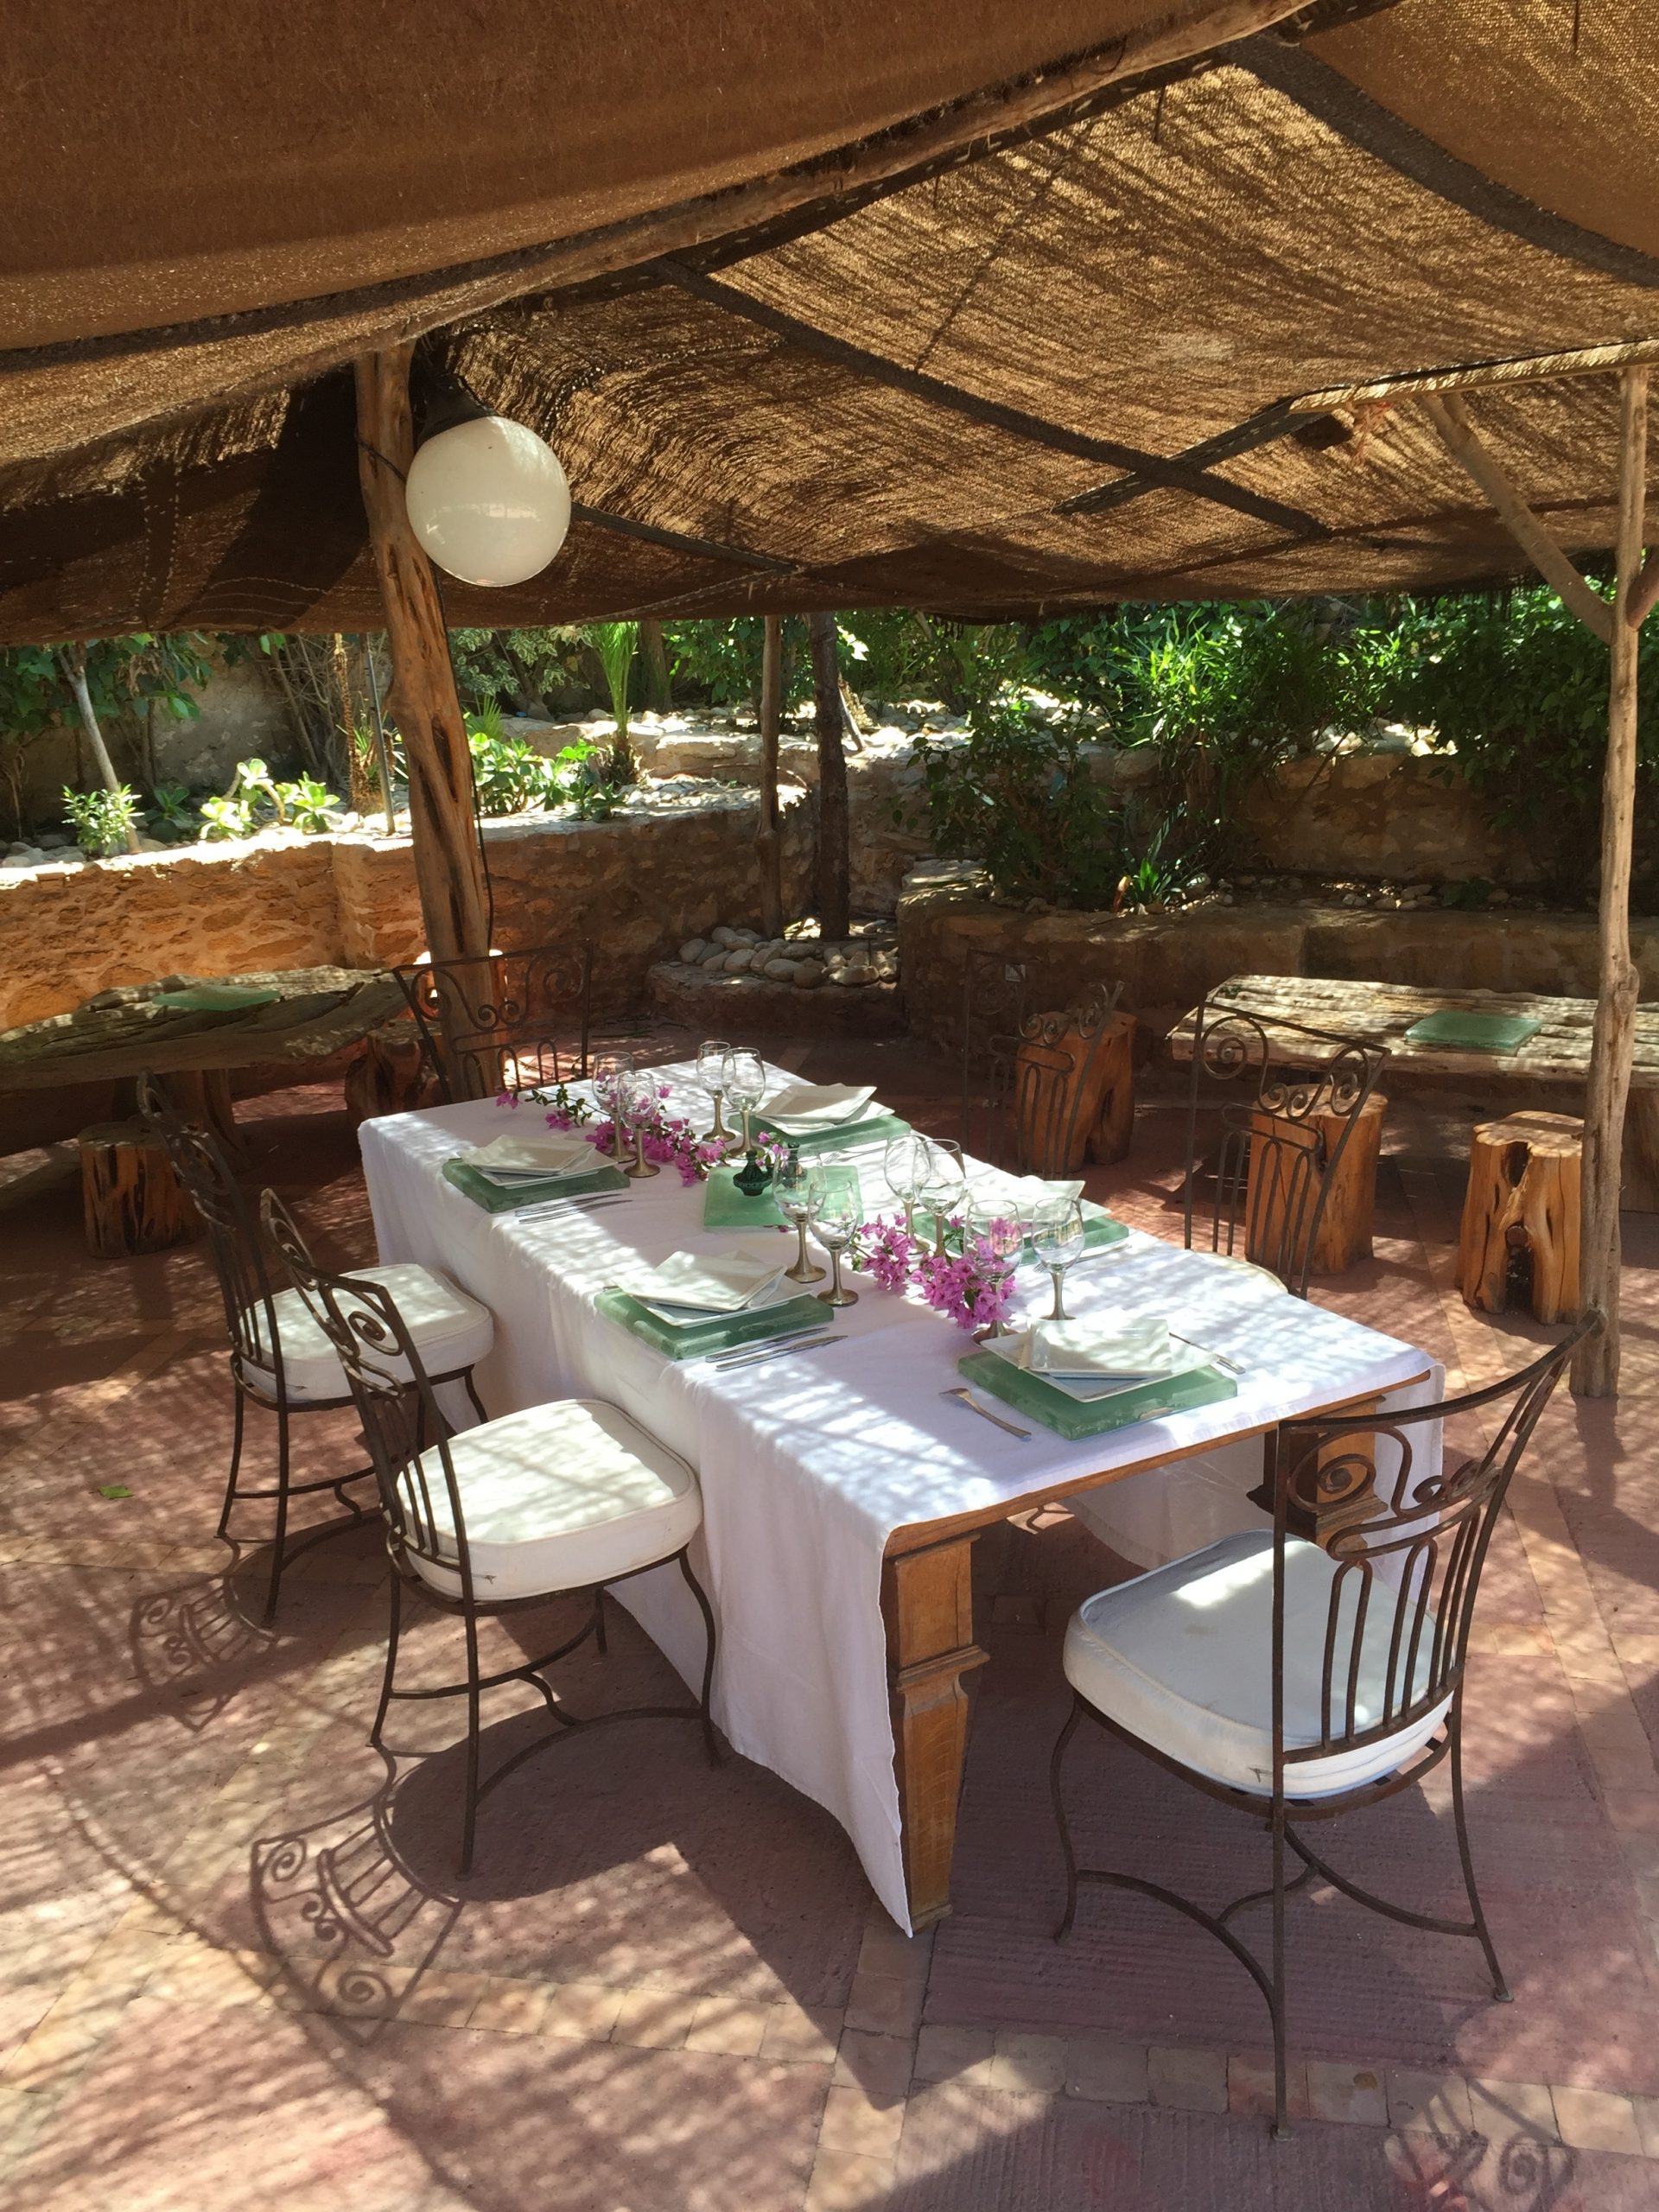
x=1167, y=962
x=1381, y=815
x=639, y=884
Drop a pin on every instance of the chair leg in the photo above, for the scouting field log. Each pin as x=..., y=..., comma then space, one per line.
x=470, y=1818
x=1067, y=1852
x=281, y=1543
x=472, y=1392
x=1500, y=1987
x=600, y=1645
x=236, y=1461
x=394, y=1630
x=1276, y=2003
x=710, y=1740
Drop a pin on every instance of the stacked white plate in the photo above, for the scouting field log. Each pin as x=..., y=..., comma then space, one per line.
x=806, y=1107
x=691, y=1286
x=1098, y=1357
x=510, y=1162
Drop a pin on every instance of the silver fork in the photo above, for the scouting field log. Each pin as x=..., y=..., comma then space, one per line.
x=776, y=1352
x=586, y=1204
x=964, y=1398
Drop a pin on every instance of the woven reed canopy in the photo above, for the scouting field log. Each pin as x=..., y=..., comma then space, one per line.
x=831, y=303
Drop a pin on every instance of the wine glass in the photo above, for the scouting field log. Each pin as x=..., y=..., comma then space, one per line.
x=994, y=1220
x=1058, y=1237
x=838, y=1210
x=942, y=1185
x=712, y=1055
x=905, y=1167
x=635, y=1097
x=792, y=1189
x=744, y=1074
x=611, y=1071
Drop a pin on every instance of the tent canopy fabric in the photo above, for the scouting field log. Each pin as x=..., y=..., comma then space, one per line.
x=984, y=310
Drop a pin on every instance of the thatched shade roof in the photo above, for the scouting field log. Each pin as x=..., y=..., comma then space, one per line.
x=839, y=309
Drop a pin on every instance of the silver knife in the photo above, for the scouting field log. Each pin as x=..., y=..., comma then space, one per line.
x=572, y=1205
x=778, y=1350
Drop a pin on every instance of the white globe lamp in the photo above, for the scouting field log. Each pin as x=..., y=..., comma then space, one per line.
x=488, y=501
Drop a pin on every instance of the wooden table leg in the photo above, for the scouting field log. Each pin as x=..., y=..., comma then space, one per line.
x=927, y=1604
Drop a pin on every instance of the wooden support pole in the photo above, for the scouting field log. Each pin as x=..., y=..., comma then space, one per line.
x=834, y=892
x=448, y=865
x=653, y=651
x=767, y=846
x=1451, y=418
x=1595, y=1364
x=1645, y=592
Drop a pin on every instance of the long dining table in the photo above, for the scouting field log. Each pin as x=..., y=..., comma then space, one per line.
x=842, y=1488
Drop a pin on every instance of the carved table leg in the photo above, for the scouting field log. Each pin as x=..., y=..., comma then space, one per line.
x=927, y=1603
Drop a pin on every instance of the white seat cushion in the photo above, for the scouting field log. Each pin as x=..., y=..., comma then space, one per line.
x=1183, y=1658
x=450, y=1332
x=560, y=1497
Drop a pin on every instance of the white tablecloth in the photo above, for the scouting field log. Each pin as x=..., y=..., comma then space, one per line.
x=808, y=1464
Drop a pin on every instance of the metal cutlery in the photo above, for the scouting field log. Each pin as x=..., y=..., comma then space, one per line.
x=964, y=1398
x=775, y=1351
x=1214, y=1358
x=586, y=1205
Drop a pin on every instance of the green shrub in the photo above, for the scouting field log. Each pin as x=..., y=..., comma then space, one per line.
x=101, y=819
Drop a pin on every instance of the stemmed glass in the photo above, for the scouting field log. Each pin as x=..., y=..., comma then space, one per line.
x=636, y=1096
x=744, y=1074
x=793, y=1190
x=942, y=1185
x=712, y=1055
x=838, y=1210
x=996, y=1224
x=1058, y=1237
x=611, y=1071
x=905, y=1167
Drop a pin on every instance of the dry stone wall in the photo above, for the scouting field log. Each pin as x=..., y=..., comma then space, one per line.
x=639, y=884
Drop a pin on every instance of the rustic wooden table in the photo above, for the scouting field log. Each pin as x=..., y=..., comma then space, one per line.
x=1381, y=1014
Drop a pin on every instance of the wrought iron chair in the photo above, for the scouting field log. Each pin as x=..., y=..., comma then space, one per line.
x=1278, y=1157
x=281, y=1361
x=494, y=1024
x=1300, y=1679
x=571, y=1496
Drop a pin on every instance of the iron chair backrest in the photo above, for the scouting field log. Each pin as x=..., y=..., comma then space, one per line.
x=402, y=1424
x=1047, y=1083
x=1408, y=1542
x=488, y=1024
x=1279, y=1157
x=233, y=1239
x=992, y=1007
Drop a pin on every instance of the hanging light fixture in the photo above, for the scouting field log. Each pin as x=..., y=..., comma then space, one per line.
x=488, y=500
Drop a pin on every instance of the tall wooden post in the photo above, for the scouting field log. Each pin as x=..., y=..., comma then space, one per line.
x=449, y=866
x=835, y=894
x=767, y=847
x=1595, y=1366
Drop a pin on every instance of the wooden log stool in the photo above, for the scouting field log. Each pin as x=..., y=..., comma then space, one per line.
x=389, y=1075
x=1519, y=1241
x=131, y=1200
x=1074, y=1093
x=1345, y=1230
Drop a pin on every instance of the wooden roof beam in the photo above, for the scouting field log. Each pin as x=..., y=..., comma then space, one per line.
x=1451, y=418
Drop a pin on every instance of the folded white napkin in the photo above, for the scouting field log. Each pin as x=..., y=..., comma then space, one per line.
x=521, y=1158
x=707, y=1282
x=1113, y=1344
x=808, y=1106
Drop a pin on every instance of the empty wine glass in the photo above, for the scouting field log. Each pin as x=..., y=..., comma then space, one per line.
x=712, y=1055
x=744, y=1075
x=994, y=1221
x=838, y=1210
x=792, y=1189
x=1058, y=1236
x=905, y=1167
x=636, y=1098
x=942, y=1185
x=610, y=1070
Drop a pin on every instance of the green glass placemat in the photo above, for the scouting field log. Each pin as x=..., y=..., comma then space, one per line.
x=1098, y=1230
x=723, y=1333
x=216, y=998
x=1475, y=1033
x=724, y=1206
x=876, y=1130
x=1046, y=1402
x=494, y=1199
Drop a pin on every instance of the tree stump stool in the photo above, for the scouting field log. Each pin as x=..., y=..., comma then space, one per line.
x=1519, y=1241
x=1345, y=1230
x=131, y=1200
x=1074, y=1095
x=389, y=1075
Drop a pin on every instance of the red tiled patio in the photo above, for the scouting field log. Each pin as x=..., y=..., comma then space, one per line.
x=240, y=1971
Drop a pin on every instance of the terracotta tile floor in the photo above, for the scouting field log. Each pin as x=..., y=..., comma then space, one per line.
x=240, y=1972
